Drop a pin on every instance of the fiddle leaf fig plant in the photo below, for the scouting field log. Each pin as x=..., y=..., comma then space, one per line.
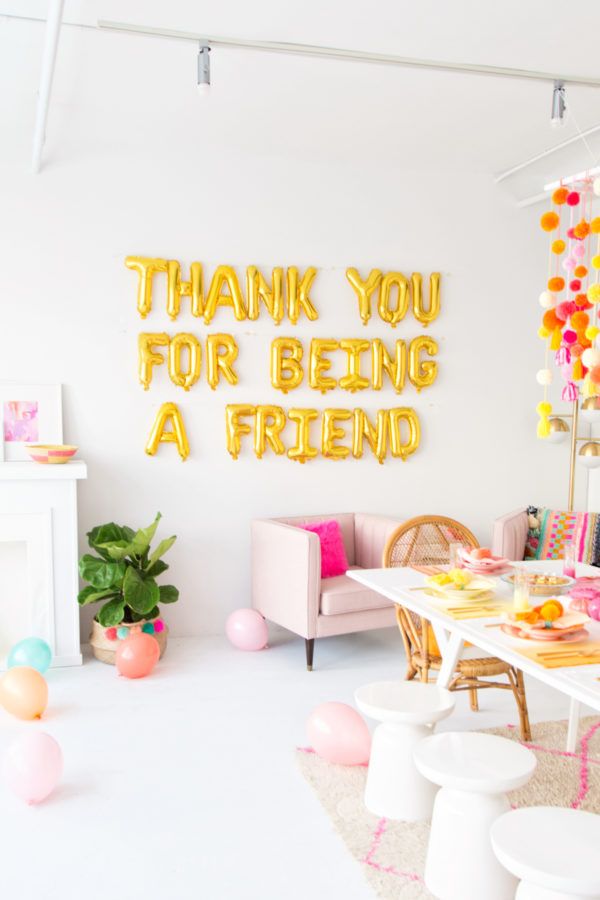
x=122, y=572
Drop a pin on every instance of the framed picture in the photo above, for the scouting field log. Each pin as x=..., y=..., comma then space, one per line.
x=29, y=414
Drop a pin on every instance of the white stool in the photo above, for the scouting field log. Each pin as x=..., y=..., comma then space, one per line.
x=474, y=771
x=556, y=852
x=407, y=710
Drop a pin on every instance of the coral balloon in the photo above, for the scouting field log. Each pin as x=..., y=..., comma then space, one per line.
x=247, y=630
x=32, y=652
x=137, y=655
x=24, y=692
x=339, y=734
x=33, y=766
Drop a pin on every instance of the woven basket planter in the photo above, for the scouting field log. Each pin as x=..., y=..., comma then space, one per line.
x=105, y=649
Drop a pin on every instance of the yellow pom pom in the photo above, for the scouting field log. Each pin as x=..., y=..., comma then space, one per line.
x=595, y=226
x=588, y=388
x=592, y=332
x=543, y=429
x=558, y=246
x=593, y=293
x=556, y=339
x=543, y=408
x=596, y=262
x=543, y=332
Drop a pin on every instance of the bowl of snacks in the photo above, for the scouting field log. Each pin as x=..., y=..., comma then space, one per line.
x=459, y=584
x=543, y=584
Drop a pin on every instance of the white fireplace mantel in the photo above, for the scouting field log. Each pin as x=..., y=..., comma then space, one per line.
x=38, y=511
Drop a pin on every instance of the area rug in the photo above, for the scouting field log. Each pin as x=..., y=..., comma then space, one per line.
x=392, y=854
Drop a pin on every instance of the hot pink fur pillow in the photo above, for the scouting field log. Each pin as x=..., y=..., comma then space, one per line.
x=333, y=552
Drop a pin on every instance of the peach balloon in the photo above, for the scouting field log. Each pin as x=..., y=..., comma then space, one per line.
x=339, y=734
x=32, y=766
x=247, y=629
x=24, y=692
x=137, y=655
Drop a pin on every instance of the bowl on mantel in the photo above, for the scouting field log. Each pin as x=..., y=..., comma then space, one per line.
x=51, y=453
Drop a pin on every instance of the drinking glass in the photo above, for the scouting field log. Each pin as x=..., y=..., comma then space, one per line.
x=521, y=592
x=454, y=557
x=570, y=559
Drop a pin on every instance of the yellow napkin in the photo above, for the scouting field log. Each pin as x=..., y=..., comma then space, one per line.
x=556, y=656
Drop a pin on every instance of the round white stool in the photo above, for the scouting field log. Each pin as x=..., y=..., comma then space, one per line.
x=474, y=771
x=406, y=710
x=554, y=851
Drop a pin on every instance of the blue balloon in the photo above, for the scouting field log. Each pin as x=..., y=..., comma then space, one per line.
x=32, y=652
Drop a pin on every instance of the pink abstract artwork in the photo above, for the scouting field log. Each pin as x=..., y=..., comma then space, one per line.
x=21, y=420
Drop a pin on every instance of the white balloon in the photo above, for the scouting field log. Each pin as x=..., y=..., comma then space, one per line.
x=544, y=376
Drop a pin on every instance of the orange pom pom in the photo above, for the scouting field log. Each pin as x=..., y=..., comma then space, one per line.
x=558, y=246
x=551, y=611
x=595, y=226
x=550, y=320
x=560, y=196
x=582, y=229
x=595, y=375
x=556, y=284
x=580, y=271
x=580, y=321
x=550, y=221
x=582, y=301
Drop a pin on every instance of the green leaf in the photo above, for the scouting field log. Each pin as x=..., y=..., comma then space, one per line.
x=153, y=613
x=111, y=613
x=100, y=573
x=140, y=591
x=157, y=568
x=168, y=593
x=115, y=549
x=162, y=549
x=143, y=537
x=108, y=533
x=91, y=595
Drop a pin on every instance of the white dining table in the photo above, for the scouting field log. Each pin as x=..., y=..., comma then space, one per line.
x=580, y=683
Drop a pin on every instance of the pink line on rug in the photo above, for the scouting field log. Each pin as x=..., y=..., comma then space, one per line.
x=389, y=870
x=584, y=784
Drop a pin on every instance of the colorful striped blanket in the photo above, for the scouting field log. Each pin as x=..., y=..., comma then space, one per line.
x=551, y=529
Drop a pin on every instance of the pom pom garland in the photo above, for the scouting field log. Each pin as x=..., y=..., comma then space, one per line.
x=578, y=372
x=569, y=337
x=544, y=376
x=580, y=321
x=592, y=332
x=563, y=355
x=575, y=285
x=576, y=350
x=558, y=246
x=551, y=321
x=595, y=375
x=582, y=302
x=578, y=250
x=550, y=221
x=569, y=392
x=595, y=226
x=564, y=310
x=590, y=358
x=569, y=263
x=546, y=300
x=596, y=262
x=556, y=284
x=596, y=187
x=543, y=333
x=580, y=272
x=571, y=233
x=582, y=229
x=556, y=339
x=573, y=198
x=593, y=293
x=560, y=195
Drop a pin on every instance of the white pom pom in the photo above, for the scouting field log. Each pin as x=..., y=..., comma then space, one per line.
x=597, y=187
x=544, y=376
x=546, y=300
x=590, y=358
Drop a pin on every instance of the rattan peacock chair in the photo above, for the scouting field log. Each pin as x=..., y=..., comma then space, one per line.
x=423, y=542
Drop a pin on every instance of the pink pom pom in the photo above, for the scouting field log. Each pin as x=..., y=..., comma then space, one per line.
x=573, y=198
x=571, y=233
x=111, y=634
x=569, y=337
x=569, y=263
x=570, y=392
x=566, y=371
x=564, y=310
x=578, y=250
x=575, y=285
x=562, y=356
x=159, y=626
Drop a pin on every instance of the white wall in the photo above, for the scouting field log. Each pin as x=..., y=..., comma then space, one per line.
x=136, y=164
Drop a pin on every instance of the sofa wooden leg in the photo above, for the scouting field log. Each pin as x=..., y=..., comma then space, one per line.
x=310, y=649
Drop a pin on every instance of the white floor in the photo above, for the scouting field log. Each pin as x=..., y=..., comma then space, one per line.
x=183, y=785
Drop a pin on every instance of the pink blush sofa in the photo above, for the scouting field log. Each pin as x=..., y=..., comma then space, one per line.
x=287, y=587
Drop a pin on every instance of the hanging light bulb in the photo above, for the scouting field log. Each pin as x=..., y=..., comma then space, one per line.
x=559, y=105
x=204, y=69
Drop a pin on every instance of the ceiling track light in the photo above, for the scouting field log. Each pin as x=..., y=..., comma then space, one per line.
x=204, y=69
x=559, y=105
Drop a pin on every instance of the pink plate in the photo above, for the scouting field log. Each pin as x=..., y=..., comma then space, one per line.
x=544, y=635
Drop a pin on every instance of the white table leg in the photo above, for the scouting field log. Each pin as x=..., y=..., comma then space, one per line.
x=450, y=656
x=573, y=725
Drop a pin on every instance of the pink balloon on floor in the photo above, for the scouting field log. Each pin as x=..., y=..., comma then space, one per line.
x=247, y=630
x=137, y=655
x=32, y=766
x=339, y=734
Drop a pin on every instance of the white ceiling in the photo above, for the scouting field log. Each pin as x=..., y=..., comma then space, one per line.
x=330, y=110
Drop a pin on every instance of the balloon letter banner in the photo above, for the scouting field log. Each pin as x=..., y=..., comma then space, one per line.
x=193, y=360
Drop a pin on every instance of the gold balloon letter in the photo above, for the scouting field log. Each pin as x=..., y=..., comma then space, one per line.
x=364, y=290
x=146, y=357
x=220, y=362
x=298, y=298
x=224, y=275
x=354, y=381
x=257, y=289
x=169, y=412
x=399, y=447
x=268, y=432
x=289, y=363
x=383, y=362
x=302, y=450
x=422, y=374
x=146, y=267
x=190, y=343
x=376, y=435
x=388, y=282
x=176, y=288
x=420, y=313
x=234, y=429
x=330, y=433
x=317, y=365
